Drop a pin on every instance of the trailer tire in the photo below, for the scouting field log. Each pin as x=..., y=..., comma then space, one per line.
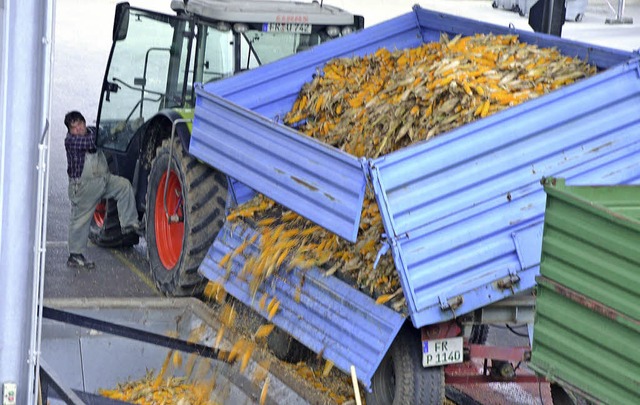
x=105, y=227
x=559, y=396
x=479, y=334
x=400, y=377
x=196, y=200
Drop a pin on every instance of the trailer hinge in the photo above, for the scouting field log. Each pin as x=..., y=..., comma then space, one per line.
x=508, y=282
x=364, y=165
x=451, y=304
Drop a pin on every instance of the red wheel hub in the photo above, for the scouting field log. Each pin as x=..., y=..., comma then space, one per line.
x=169, y=224
x=100, y=213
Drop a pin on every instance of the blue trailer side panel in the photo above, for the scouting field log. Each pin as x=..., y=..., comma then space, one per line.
x=305, y=175
x=467, y=208
x=324, y=313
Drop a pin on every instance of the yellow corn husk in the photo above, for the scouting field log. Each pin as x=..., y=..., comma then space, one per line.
x=236, y=350
x=328, y=365
x=177, y=360
x=263, y=331
x=246, y=356
x=274, y=310
x=264, y=391
x=263, y=301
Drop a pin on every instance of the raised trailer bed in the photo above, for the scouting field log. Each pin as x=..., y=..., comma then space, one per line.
x=463, y=212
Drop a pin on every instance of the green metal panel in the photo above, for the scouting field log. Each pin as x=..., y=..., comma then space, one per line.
x=587, y=349
x=591, y=242
x=587, y=326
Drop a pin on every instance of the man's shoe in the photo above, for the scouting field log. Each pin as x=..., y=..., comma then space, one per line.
x=77, y=260
x=134, y=228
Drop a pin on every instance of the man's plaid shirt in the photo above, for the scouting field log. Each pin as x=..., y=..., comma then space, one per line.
x=76, y=147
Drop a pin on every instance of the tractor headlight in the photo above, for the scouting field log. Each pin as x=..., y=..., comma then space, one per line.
x=240, y=28
x=333, y=31
x=347, y=30
x=222, y=26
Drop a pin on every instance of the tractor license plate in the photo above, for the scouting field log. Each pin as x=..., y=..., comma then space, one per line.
x=288, y=27
x=441, y=351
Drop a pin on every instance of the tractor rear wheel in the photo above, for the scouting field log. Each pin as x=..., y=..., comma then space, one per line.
x=185, y=211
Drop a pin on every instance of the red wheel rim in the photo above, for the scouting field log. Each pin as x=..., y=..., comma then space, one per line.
x=99, y=213
x=169, y=234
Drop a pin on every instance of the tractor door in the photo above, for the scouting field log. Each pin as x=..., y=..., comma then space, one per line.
x=146, y=72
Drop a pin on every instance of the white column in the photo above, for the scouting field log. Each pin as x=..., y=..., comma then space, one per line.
x=26, y=36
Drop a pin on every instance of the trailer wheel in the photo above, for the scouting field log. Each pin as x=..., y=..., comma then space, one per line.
x=561, y=397
x=479, y=334
x=105, y=227
x=178, y=241
x=401, y=379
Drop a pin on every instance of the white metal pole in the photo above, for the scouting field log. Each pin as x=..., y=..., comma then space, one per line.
x=25, y=64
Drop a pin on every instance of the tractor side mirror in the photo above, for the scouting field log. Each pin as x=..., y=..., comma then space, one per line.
x=121, y=22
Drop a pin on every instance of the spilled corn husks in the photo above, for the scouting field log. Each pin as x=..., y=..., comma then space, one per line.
x=373, y=105
x=164, y=388
x=173, y=390
x=197, y=376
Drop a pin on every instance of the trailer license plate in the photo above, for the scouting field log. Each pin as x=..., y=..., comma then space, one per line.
x=441, y=351
x=288, y=27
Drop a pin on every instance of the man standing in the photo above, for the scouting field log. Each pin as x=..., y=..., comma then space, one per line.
x=89, y=182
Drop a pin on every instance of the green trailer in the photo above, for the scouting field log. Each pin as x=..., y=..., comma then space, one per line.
x=587, y=324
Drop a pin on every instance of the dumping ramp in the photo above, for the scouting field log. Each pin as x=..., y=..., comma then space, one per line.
x=123, y=339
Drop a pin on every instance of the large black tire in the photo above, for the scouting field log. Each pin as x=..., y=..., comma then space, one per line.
x=105, y=227
x=400, y=379
x=197, y=198
x=479, y=334
x=561, y=397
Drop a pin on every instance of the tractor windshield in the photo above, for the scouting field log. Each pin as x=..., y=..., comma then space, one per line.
x=224, y=53
x=156, y=59
x=264, y=47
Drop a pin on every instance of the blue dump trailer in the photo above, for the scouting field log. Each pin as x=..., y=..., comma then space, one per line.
x=463, y=212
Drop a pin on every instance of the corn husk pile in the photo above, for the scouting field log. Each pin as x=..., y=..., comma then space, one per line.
x=172, y=391
x=373, y=105
x=199, y=375
x=163, y=388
